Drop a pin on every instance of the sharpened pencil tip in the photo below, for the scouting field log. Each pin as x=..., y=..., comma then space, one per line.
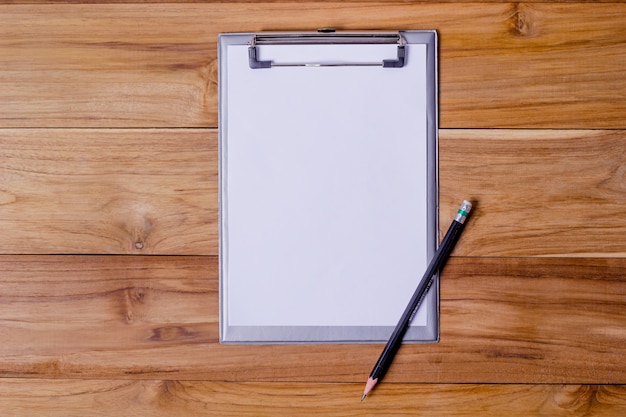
x=368, y=386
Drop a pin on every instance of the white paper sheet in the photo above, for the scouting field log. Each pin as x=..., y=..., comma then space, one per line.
x=325, y=187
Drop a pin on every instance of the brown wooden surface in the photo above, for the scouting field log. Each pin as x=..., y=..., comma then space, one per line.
x=538, y=193
x=506, y=320
x=191, y=398
x=550, y=65
x=108, y=191
x=154, y=191
x=108, y=157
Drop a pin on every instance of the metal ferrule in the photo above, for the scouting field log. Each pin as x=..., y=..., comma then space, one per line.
x=461, y=215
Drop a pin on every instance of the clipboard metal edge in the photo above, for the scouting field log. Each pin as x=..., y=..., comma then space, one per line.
x=326, y=39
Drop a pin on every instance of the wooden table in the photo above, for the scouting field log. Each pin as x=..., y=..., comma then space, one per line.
x=108, y=215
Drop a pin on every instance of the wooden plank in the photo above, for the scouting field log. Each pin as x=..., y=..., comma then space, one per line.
x=108, y=191
x=554, y=65
x=537, y=193
x=503, y=320
x=155, y=191
x=273, y=1
x=59, y=314
x=63, y=397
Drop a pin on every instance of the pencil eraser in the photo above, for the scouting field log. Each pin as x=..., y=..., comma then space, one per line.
x=466, y=206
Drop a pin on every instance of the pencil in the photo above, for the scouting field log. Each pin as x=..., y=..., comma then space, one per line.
x=440, y=258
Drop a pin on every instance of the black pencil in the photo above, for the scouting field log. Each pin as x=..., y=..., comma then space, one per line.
x=441, y=255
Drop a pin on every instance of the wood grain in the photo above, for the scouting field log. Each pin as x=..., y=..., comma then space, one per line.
x=108, y=191
x=553, y=65
x=532, y=302
x=382, y=2
x=157, y=398
x=536, y=192
x=505, y=320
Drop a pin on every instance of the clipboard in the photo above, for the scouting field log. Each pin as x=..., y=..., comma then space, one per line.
x=328, y=185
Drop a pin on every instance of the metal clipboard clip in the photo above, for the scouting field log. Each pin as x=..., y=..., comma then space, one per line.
x=326, y=37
